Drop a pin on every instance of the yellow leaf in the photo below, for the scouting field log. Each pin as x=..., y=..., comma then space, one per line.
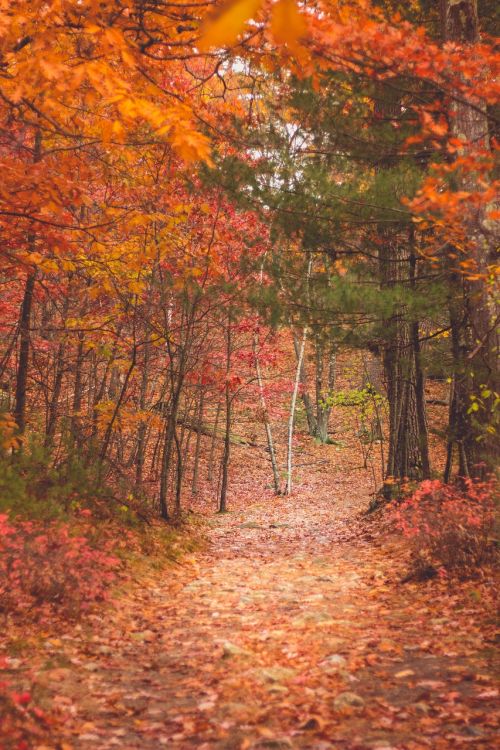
x=191, y=146
x=222, y=29
x=287, y=23
x=34, y=258
x=136, y=286
x=117, y=128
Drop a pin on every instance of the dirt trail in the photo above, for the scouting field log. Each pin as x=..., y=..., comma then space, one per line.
x=289, y=632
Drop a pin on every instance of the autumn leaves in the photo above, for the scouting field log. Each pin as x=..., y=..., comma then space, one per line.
x=222, y=28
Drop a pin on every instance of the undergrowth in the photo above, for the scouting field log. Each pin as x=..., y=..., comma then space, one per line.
x=451, y=528
x=23, y=725
x=67, y=540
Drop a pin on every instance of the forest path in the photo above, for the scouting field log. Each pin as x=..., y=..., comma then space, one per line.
x=286, y=633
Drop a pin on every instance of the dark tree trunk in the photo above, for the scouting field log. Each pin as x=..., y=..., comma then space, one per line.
x=211, y=458
x=306, y=398
x=24, y=351
x=404, y=452
x=227, y=435
x=25, y=321
x=167, y=458
x=170, y=435
x=179, y=474
x=197, y=449
x=54, y=402
x=323, y=408
x=474, y=340
x=406, y=415
x=116, y=411
x=77, y=395
x=58, y=380
x=419, y=383
x=142, y=429
x=226, y=455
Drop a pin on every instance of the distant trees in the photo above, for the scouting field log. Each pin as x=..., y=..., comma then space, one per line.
x=383, y=175
x=164, y=208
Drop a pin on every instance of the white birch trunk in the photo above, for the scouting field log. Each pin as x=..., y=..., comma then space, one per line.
x=291, y=418
x=267, y=424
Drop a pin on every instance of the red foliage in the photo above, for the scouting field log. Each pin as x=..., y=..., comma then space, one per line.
x=449, y=526
x=21, y=722
x=44, y=568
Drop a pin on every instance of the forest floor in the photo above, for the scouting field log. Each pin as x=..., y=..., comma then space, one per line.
x=290, y=628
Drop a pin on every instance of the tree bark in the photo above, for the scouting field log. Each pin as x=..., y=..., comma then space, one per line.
x=58, y=380
x=142, y=428
x=404, y=459
x=265, y=417
x=211, y=457
x=179, y=474
x=323, y=408
x=306, y=398
x=227, y=436
x=291, y=419
x=75, y=436
x=116, y=411
x=54, y=402
x=474, y=340
x=24, y=351
x=167, y=455
x=25, y=321
x=420, y=403
x=197, y=449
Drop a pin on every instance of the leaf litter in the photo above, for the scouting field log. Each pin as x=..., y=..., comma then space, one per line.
x=289, y=629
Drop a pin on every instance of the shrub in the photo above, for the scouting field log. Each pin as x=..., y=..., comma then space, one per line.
x=22, y=724
x=32, y=486
x=45, y=568
x=450, y=527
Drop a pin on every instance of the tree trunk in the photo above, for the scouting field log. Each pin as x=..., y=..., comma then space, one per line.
x=75, y=435
x=116, y=411
x=197, y=448
x=323, y=408
x=24, y=351
x=459, y=425
x=25, y=320
x=227, y=435
x=291, y=419
x=306, y=398
x=226, y=455
x=179, y=474
x=420, y=403
x=211, y=457
x=58, y=379
x=403, y=455
x=167, y=457
x=54, y=402
x=474, y=340
x=265, y=417
x=404, y=452
x=142, y=428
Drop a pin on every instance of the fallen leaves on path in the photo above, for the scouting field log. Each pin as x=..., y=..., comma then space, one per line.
x=291, y=630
